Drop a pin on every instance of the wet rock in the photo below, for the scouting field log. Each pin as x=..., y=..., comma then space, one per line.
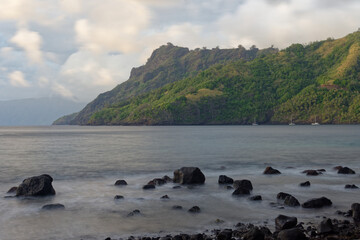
x=176, y=187
x=198, y=236
x=225, y=234
x=225, y=180
x=317, y=203
x=291, y=234
x=118, y=197
x=311, y=172
x=291, y=201
x=241, y=192
x=194, y=209
x=157, y=182
x=245, y=184
x=120, y=183
x=177, y=207
x=12, y=190
x=148, y=186
x=355, y=208
x=321, y=170
x=270, y=170
x=338, y=168
x=256, y=198
x=36, y=186
x=167, y=179
x=305, y=184
x=189, y=175
x=229, y=187
x=55, y=206
x=165, y=197
x=254, y=234
x=346, y=170
x=351, y=186
x=325, y=227
x=133, y=213
x=108, y=238
x=285, y=222
x=282, y=195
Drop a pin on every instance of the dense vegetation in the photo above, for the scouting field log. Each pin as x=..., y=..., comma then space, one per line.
x=301, y=82
x=167, y=64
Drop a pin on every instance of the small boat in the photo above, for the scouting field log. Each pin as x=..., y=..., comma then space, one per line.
x=291, y=123
x=315, y=123
x=254, y=123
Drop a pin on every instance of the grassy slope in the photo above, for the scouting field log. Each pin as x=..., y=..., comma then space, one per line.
x=320, y=79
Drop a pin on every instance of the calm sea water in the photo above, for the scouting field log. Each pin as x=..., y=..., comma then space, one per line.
x=86, y=161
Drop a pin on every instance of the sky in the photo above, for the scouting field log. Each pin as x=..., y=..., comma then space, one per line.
x=78, y=49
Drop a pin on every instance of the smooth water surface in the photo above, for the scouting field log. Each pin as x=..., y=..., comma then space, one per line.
x=86, y=161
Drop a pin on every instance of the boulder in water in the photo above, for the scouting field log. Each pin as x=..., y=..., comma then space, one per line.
x=284, y=222
x=194, y=209
x=36, y=186
x=120, y=183
x=291, y=234
x=325, y=227
x=291, y=201
x=311, y=172
x=189, y=175
x=256, y=198
x=223, y=179
x=246, y=184
x=270, y=171
x=12, y=190
x=351, y=186
x=282, y=195
x=317, y=203
x=148, y=186
x=346, y=170
x=305, y=184
x=241, y=192
x=254, y=234
x=55, y=206
x=355, y=208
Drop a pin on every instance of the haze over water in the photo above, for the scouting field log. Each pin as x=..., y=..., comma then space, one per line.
x=85, y=162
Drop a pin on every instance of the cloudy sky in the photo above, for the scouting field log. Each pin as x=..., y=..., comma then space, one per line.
x=80, y=48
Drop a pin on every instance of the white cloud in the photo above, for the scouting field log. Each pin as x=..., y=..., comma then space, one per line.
x=17, y=79
x=112, y=26
x=62, y=91
x=30, y=42
x=43, y=82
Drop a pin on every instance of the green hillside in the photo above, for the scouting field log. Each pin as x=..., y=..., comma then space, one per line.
x=321, y=80
x=167, y=64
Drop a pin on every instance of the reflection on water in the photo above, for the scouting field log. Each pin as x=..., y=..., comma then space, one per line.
x=86, y=161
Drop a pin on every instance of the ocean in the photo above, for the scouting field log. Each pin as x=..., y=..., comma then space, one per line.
x=86, y=161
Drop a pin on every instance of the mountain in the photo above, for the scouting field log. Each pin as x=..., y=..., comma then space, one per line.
x=167, y=64
x=35, y=112
x=302, y=82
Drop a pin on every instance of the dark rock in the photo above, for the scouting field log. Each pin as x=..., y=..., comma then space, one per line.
x=194, y=209
x=118, y=197
x=225, y=234
x=133, y=213
x=338, y=167
x=321, y=170
x=36, y=186
x=177, y=207
x=325, y=227
x=240, y=192
x=225, y=180
x=108, y=238
x=270, y=170
x=351, y=186
x=157, y=181
x=120, y=183
x=165, y=197
x=291, y=234
x=282, y=195
x=189, y=175
x=56, y=206
x=284, y=222
x=291, y=201
x=12, y=190
x=311, y=172
x=355, y=208
x=198, y=236
x=245, y=184
x=148, y=186
x=256, y=198
x=176, y=187
x=346, y=170
x=229, y=187
x=305, y=184
x=317, y=203
x=254, y=234
x=167, y=179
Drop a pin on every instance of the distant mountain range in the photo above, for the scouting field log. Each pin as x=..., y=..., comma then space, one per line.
x=235, y=86
x=35, y=112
